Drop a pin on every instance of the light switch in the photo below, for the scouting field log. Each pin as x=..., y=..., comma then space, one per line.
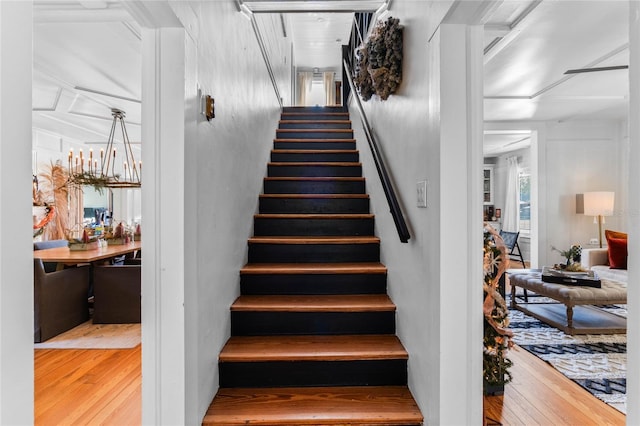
x=421, y=192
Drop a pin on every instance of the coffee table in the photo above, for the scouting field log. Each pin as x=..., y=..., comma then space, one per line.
x=579, y=315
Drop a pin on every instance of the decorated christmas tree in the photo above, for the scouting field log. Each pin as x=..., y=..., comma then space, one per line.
x=497, y=337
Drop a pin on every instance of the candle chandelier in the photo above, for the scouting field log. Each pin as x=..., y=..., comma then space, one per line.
x=102, y=171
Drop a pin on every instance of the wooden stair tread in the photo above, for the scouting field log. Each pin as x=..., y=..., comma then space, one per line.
x=312, y=348
x=314, y=122
x=316, y=164
x=314, y=140
x=314, y=216
x=314, y=303
x=314, y=268
x=314, y=240
x=315, y=179
x=353, y=405
x=314, y=195
x=314, y=151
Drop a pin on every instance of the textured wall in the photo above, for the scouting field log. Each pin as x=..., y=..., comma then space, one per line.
x=225, y=161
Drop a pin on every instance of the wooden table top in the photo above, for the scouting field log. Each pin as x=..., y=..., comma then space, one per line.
x=64, y=255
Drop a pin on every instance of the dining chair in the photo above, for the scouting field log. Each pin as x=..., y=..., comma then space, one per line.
x=60, y=299
x=117, y=294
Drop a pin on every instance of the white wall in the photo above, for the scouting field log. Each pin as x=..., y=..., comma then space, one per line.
x=278, y=50
x=581, y=157
x=420, y=130
x=225, y=161
x=574, y=157
x=632, y=153
x=16, y=264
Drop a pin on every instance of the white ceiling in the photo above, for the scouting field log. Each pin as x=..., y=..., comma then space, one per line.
x=534, y=43
x=318, y=38
x=87, y=60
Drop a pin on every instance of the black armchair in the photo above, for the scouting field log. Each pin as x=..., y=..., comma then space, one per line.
x=60, y=300
x=511, y=242
x=117, y=294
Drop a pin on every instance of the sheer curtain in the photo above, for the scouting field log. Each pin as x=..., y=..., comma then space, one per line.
x=329, y=91
x=305, y=79
x=510, y=221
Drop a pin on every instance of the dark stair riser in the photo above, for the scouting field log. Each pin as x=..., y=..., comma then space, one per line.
x=314, y=187
x=311, y=116
x=314, y=205
x=315, y=109
x=315, y=171
x=315, y=145
x=316, y=134
x=312, y=284
x=316, y=253
x=313, y=227
x=336, y=124
x=268, y=323
x=313, y=373
x=301, y=157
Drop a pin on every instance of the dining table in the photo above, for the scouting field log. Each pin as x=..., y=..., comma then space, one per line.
x=66, y=256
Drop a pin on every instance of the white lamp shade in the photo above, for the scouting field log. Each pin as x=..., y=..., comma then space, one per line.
x=598, y=203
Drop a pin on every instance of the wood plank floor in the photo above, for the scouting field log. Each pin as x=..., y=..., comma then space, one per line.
x=88, y=387
x=103, y=387
x=540, y=395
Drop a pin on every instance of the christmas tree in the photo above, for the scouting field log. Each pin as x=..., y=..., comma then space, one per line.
x=497, y=337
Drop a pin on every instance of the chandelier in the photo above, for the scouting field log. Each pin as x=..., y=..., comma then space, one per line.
x=105, y=173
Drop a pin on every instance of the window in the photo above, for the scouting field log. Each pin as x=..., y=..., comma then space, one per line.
x=524, y=202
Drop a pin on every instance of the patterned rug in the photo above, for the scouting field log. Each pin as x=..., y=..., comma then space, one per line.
x=95, y=336
x=597, y=362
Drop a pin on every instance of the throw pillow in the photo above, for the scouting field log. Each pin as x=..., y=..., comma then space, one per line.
x=614, y=234
x=617, y=253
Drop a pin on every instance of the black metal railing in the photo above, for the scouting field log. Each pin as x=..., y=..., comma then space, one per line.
x=359, y=30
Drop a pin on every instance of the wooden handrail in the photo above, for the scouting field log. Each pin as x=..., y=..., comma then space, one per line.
x=387, y=186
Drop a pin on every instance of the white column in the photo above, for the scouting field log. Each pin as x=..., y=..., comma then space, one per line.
x=461, y=134
x=16, y=249
x=633, y=218
x=163, y=244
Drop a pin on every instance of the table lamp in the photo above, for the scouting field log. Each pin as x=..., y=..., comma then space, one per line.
x=598, y=204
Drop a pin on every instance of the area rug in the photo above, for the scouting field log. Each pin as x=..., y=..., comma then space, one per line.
x=597, y=362
x=95, y=336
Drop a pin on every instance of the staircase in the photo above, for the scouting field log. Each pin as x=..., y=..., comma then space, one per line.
x=313, y=332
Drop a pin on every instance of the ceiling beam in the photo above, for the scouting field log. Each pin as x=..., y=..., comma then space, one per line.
x=302, y=6
x=47, y=14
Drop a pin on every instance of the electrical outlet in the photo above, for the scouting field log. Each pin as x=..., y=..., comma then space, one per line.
x=421, y=192
x=593, y=241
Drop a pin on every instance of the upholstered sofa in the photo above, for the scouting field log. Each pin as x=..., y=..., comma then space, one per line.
x=597, y=259
x=610, y=262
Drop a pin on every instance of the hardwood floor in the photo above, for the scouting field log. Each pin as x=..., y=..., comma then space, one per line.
x=88, y=386
x=102, y=387
x=540, y=395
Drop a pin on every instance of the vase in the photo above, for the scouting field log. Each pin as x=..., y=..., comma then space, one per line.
x=495, y=390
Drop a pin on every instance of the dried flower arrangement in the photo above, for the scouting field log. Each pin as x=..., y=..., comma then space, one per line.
x=497, y=336
x=53, y=191
x=378, y=67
